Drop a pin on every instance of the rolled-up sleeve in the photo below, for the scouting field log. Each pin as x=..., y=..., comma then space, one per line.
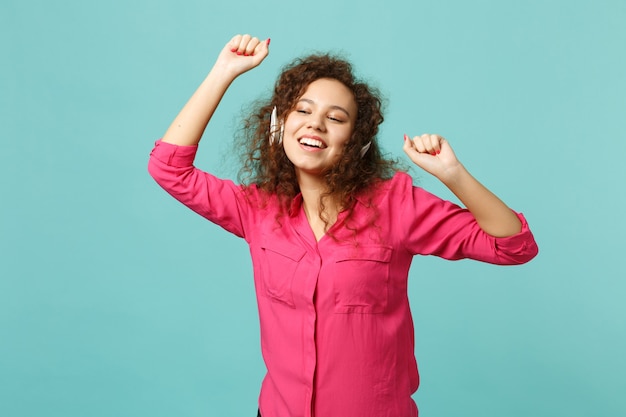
x=519, y=248
x=220, y=201
x=433, y=226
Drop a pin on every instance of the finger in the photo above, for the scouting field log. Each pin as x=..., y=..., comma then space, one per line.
x=431, y=143
x=435, y=144
x=243, y=43
x=427, y=143
x=419, y=144
x=251, y=46
x=234, y=43
x=419, y=158
x=409, y=146
x=262, y=47
x=260, y=52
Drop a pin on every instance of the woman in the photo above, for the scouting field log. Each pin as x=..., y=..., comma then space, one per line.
x=332, y=231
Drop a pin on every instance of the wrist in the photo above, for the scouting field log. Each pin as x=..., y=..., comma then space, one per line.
x=222, y=74
x=454, y=175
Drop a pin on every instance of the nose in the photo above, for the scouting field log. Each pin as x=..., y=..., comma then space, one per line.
x=316, y=121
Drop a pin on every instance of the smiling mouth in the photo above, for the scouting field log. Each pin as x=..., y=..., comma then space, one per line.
x=312, y=143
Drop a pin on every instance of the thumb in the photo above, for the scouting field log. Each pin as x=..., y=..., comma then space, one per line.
x=409, y=148
x=261, y=51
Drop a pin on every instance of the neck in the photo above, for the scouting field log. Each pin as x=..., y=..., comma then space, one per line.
x=312, y=188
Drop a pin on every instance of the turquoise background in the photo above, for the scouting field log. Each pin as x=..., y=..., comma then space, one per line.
x=115, y=300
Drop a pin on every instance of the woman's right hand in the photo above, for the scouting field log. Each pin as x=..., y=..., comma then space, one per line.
x=241, y=54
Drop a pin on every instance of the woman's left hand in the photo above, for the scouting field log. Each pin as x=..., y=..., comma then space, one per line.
x=433, y=154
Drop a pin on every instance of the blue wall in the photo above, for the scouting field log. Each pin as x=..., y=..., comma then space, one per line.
x=115, y=300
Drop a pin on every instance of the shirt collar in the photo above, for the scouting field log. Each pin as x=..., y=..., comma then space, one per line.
x=296, y=203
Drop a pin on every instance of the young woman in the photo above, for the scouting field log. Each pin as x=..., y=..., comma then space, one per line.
x=332, y=229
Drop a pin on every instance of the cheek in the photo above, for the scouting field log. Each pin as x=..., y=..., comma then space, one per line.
x=290, y=147
x=290, y=126
x=344, y=135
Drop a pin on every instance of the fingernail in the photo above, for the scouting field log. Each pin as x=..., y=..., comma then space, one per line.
x=239, y=53
x=438, y=152
x=233, y=49
x=268, y=41
x=406, y=137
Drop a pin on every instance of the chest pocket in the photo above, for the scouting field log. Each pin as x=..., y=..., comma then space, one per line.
x=361, y=279
x=279, y=267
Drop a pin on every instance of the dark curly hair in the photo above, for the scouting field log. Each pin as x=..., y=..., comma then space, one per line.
x=268, y=166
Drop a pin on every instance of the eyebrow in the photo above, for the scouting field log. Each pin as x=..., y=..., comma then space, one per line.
x=334, y=107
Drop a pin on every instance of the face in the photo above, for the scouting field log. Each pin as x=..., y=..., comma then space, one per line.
x=319, y=126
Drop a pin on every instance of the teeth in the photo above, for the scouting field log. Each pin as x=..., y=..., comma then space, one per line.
x=312, y=142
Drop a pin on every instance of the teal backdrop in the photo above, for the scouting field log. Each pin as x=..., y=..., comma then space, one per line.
x=115, y=300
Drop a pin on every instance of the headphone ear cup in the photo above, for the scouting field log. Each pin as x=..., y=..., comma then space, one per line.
x=365, y=148
x=274, y=128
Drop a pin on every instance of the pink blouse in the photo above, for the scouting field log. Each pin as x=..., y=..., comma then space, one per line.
x=336, y=328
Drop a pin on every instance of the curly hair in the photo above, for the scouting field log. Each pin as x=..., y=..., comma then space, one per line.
x=269, y=168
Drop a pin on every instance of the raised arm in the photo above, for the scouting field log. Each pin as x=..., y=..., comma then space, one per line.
x=240, y=54
x=435, y=155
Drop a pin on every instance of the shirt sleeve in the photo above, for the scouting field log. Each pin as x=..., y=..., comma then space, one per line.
x=433, y=226
x=220, y=201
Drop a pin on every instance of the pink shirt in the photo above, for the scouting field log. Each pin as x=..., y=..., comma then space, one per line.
x=336, y=328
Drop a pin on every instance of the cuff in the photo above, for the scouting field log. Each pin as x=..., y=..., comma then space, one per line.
x=174, y=155
x=520, y=243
